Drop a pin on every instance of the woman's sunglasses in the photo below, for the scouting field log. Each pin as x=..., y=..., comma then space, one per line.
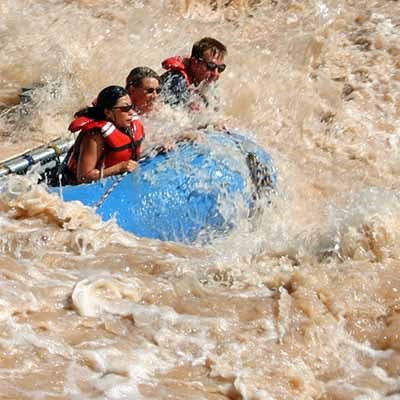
x=211, y=66
x=124, y=108
x=152, y=90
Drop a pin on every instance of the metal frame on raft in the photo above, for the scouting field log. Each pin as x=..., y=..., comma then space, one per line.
x=44, y=154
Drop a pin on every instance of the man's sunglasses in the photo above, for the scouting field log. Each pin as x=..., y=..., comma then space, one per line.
x=211, y=66
x=124, y=108
x=152, y=90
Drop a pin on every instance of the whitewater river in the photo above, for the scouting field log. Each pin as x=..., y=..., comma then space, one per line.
x=304, y=305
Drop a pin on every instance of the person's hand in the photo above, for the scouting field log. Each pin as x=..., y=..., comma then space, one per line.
x=168, y=145
x=221, y=127
x=127, y=166
x=191, y=136
x=215, y=127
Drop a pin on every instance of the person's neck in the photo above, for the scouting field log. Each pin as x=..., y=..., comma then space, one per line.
x=193, y=79
x=138, y=110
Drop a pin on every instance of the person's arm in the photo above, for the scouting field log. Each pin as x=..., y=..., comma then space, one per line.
x=91, y=151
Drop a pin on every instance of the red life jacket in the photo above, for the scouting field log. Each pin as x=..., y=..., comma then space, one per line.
x=119, y=146
x=178, y=64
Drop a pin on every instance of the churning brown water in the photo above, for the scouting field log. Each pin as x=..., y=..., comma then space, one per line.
x=305, y=305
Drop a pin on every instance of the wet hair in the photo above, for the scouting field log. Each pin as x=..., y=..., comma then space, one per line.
x=136, y=76
x=208, y=43
x=106, y=99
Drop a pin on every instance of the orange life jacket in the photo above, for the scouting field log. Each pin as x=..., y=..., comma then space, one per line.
x=119, y=146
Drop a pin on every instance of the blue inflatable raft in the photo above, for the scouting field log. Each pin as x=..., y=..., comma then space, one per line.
x=193, y=193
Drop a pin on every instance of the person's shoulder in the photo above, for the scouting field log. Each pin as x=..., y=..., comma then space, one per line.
x=91, y=139
x=172, y=77
x=175, y=89
x=93, y=134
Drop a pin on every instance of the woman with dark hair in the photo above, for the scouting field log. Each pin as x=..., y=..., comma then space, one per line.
x=110, y=135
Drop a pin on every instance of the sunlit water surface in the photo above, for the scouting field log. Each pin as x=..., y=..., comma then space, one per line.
x=303, y=305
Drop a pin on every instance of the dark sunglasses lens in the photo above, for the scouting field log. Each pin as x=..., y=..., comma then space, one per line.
x=124, y=108
x=212, y=66
x=152, y=90
x=221, y=67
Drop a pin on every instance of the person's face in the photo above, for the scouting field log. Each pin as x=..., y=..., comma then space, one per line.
x=207, y=68
x=122, y=112
x=145, y=96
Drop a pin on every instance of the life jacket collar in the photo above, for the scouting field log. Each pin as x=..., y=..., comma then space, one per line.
x=178, y=64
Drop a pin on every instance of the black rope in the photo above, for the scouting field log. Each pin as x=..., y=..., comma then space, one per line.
x=110, y=190
x=260, y=173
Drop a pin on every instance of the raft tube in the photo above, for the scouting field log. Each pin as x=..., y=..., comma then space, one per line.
x=196, y=192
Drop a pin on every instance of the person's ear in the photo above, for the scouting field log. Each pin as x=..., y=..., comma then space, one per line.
x=108, y=113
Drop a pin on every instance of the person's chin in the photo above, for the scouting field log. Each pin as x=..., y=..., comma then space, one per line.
x=148, y=108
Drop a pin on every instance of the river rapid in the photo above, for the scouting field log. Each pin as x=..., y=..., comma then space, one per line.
x=304, y=305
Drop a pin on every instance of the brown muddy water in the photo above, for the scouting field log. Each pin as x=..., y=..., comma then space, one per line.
x=305, y=305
